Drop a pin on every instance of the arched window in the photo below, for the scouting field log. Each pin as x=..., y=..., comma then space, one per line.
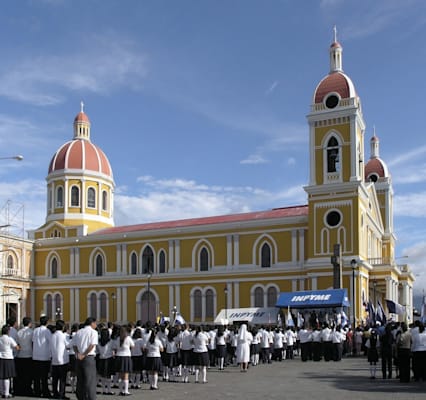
x=103, y=306
x=91, y=198
x=49, y=306
x=148, y=307
x=198, y=304
x=162, y=260
x=75, y=196
x=134, y=264
x=104, y=200
x=10, y=264
x=332, y=155
x=147, y=261
x=93, y=305
x=204, y=259
x=209, y=304
x=266, y=256
x=99, y=263
x=58, y=306
x=59, y=197
x=54, y=268
x=272, y=297
x=258, y=297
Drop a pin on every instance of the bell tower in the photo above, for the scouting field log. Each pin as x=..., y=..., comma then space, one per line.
x=336, y=161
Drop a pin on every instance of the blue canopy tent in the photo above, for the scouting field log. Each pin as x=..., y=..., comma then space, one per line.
x=314, y=299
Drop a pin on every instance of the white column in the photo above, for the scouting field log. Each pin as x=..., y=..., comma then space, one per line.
x=177, y=254
x=171, y=256
x=72, y=261
x=294, y=285
x=236, y=293
x=72, y=304
x=124, y=303
x=301, y=246
x=118, y=258
x=77, y=260
x=314, y=283
x=177, y=302
x=228, y=251
x=119, y=304
x=302, y=284
x=294, y=246
x=124, y=268
x=77, y=305
x=389, y=288
x=236, y=250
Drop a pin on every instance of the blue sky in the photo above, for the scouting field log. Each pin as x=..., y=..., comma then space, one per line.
x=201, y=105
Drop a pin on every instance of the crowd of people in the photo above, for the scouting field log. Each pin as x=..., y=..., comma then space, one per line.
x=40, y=361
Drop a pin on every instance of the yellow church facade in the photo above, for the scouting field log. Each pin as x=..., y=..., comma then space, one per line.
x=84, y=265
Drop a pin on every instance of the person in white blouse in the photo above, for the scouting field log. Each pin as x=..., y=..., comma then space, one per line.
x=153, y=348
x=7, y=363
x=243, y=347
x=60, y=360
x=201, y=355
x=41, y=357
x=106, y=366
x=122, y=349
x=24, y=360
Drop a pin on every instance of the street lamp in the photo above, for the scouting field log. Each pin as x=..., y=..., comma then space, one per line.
x=354, y=264
x=225, y=290
x=149, y=294
x=174, y=312
x=113, y=297
x=17, y=158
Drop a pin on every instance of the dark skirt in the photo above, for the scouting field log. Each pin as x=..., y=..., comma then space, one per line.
x=201, y=359
x=138, y=363
x=7, y=368
x=255, y=348
x=372, y=355
x=221, y=350
x=123, y=364
x=72, y=363
x=106, y=367
x=153, y=364
x=172, y=360
x=187, y=357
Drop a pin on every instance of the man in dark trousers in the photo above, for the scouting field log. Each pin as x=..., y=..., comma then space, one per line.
x=84, y=343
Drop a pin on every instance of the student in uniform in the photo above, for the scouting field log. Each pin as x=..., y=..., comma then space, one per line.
x=123, y=357
x=7, y=363
x=153, y=348
x=60, y=360
x=137, y=358
x=106, y=360
x=372, y=344
x=201, y=355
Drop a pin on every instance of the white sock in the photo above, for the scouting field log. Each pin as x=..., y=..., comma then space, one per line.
x=126, y=386
x=6, y=387
x=197, y=374
x=155, y=379
x=204, y=374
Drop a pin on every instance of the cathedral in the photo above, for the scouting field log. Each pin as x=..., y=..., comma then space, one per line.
x=84, y=265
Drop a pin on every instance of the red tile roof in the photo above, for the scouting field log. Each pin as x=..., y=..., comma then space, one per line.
x=276, y=213
x=335, y=82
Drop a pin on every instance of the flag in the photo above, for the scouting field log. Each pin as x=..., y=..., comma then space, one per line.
x=395, y=308
x=300, y=320
x=179, y=319
x=380, y=313
x=423, y=310
x=371, y=313
x=289, y=319
x=344, y=319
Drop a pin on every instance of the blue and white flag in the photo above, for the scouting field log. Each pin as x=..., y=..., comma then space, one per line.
x=300, y=320
x=289, y=318
x=344, y=319
x=371, y=313
x=179, y=319
x=395, y=308
x=380, y=313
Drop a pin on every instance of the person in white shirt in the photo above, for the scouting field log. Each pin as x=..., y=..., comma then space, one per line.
x=221, y=339
x=24, y=360
x=279, y=338
x=243, y=347
x=7, y=364
x=201, y=355
x=60, y=360
x=305, y=337
x=106, y=361
x=122, y=349
x=41, y=358
x=265, y=345
x=153, y=348
x=137, y=358
x=186, y=346
x=84, y=344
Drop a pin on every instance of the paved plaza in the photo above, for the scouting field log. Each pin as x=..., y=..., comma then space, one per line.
x=290, y=379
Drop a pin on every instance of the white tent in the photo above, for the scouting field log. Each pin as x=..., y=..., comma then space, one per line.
x=254, y=316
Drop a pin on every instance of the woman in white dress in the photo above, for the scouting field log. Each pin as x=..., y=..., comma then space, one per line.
x=243, y=347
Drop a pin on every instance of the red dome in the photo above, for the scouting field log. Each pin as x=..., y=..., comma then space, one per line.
x=81, y=117
x=375, y=166
x=80, y=154
x=336, y=82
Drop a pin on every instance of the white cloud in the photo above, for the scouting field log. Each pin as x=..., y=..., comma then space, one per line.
x=410, y=205
x=291, y=161
x=271, y=88
x=254, y=159
x=102, y=65
x=417, y=261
